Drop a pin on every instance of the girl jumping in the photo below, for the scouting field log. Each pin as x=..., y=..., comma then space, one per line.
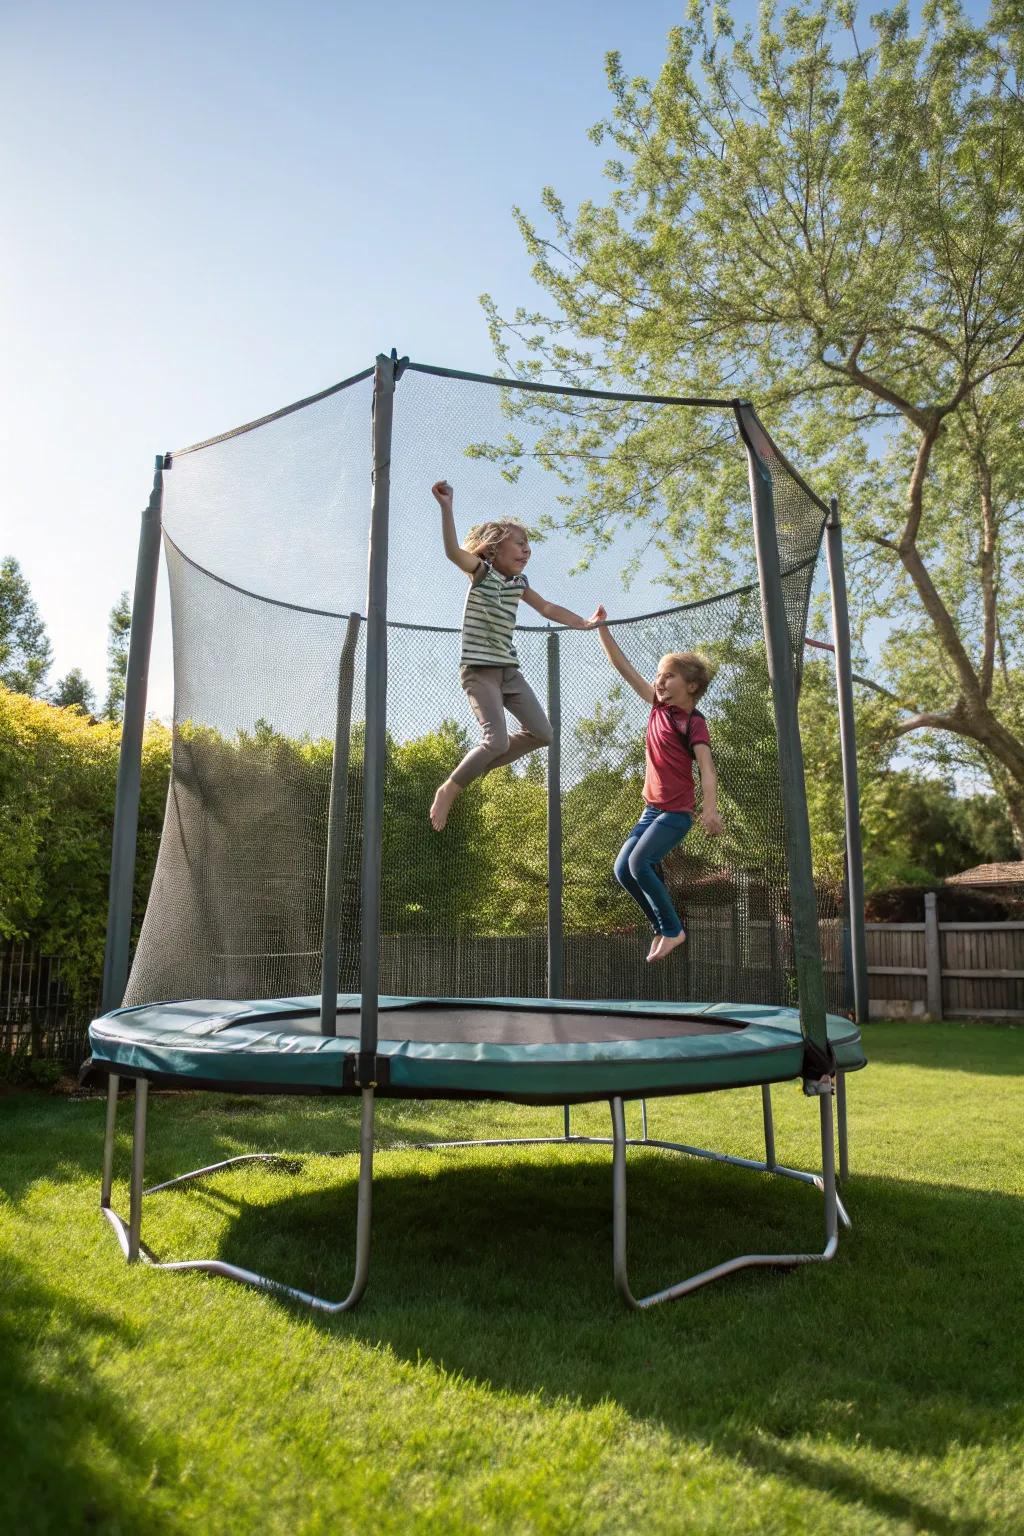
x=494, y=557
x=676, y=734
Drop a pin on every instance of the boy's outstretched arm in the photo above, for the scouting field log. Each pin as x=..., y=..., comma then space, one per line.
x=444, y=496
x=710, y=819
x=559, y=615
x=619, y=662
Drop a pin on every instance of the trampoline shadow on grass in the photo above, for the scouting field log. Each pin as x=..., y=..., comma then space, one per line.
x=498, y=1272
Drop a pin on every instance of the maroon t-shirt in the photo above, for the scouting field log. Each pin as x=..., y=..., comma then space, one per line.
x=668, y=783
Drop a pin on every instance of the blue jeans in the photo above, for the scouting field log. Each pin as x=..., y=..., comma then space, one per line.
x=655, y=835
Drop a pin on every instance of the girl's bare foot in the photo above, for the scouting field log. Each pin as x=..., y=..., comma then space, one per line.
x=443, y=801
x=655, y=944
x=666, y=946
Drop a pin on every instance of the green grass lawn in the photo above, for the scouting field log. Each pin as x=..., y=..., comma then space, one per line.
x=491, y=1380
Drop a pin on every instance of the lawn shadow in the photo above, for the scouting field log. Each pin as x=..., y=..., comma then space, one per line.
x=56, y=1414
x=499, y=1270
x=503, y=1272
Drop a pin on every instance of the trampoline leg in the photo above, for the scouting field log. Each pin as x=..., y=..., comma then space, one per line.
x=619, y=1269
x=643, y=1119
x=130, y=1236
x=565, y=1122
x=106, y=1187
x=364, y=1206
x=827, y=1185
x=828, y=1172
x=769, y=1127
x=138, y=1162
x=844, y=1146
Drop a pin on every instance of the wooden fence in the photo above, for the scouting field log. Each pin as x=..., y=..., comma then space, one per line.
x=927, y=970
x=946, y=970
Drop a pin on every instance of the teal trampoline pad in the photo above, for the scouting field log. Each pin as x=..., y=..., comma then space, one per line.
x=538, y=1051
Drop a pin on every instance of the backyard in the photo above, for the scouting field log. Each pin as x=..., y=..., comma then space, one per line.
x=491, y=1381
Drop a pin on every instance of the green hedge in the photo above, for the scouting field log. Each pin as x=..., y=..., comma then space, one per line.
x=58, y=773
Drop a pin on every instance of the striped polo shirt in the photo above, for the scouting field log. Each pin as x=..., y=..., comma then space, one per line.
x=489, y=619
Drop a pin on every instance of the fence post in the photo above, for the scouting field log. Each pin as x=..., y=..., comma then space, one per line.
x=932, y=955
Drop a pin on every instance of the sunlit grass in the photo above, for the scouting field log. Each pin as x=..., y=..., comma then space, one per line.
x=491, y=1381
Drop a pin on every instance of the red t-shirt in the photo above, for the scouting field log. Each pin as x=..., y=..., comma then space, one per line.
x=668, y=783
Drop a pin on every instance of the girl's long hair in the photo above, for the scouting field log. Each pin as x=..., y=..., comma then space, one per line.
x=483, y=538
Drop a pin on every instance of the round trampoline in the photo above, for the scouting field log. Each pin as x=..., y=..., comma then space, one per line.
x=308, y=933
x=529, y=1051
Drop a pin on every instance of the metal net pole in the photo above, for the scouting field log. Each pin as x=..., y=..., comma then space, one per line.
x=129, y=768
x=376, y=718
x=848, y=745
x=802, y=897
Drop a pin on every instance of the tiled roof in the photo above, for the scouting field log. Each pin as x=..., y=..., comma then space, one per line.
x=990, y=874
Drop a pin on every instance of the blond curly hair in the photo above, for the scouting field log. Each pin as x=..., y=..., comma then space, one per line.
x=483, y=538
x=693, y=667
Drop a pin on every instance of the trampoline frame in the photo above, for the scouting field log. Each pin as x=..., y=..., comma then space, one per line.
x=129, y=1234
x=821, y=1077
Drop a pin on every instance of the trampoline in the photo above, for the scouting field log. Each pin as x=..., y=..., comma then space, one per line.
x=262, y=877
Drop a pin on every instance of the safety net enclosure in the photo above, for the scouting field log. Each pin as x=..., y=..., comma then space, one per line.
x=266, y=536
x=307, y=929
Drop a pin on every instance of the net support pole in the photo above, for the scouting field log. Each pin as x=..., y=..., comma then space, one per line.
x=555, y=872
x=129, y=767
x=376, y=719
x=848, y=746
x=336, y=823
x=802, y=898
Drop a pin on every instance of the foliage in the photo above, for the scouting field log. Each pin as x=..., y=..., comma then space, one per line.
x=57, y=779
x=75, y=689
x=827, y=219
x=267, y=798
x=119, y=630
x=25, y=651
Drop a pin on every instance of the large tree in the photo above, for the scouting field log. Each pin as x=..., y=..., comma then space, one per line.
x=75, y=689
x=119, y=631
x=25, y=651
x=825, y=217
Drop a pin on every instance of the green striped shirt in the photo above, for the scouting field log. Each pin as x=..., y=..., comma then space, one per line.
x=489, y=619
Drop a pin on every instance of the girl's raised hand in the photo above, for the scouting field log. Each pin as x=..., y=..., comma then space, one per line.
x=442, y=494
x=598, y=616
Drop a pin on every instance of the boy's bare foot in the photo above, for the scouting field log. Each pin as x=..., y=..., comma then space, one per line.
x=666, y=946
x=443, y=801
x=655, y=942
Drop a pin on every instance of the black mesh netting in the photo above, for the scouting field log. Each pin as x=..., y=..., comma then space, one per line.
x=266, y=540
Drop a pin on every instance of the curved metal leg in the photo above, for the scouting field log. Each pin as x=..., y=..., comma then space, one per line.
x=844, y=1146
x=769, y=1127
x=730, y=1266
x=130, y=1237
x=113, y=1083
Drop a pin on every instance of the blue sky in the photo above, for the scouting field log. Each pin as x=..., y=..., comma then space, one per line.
x=213, y=209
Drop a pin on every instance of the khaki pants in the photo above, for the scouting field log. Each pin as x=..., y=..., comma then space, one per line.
x=492, y=691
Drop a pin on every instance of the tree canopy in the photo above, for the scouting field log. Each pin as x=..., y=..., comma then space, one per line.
x=119, y=631
x=25, y=651
x=826, y=216
x=75, y=689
